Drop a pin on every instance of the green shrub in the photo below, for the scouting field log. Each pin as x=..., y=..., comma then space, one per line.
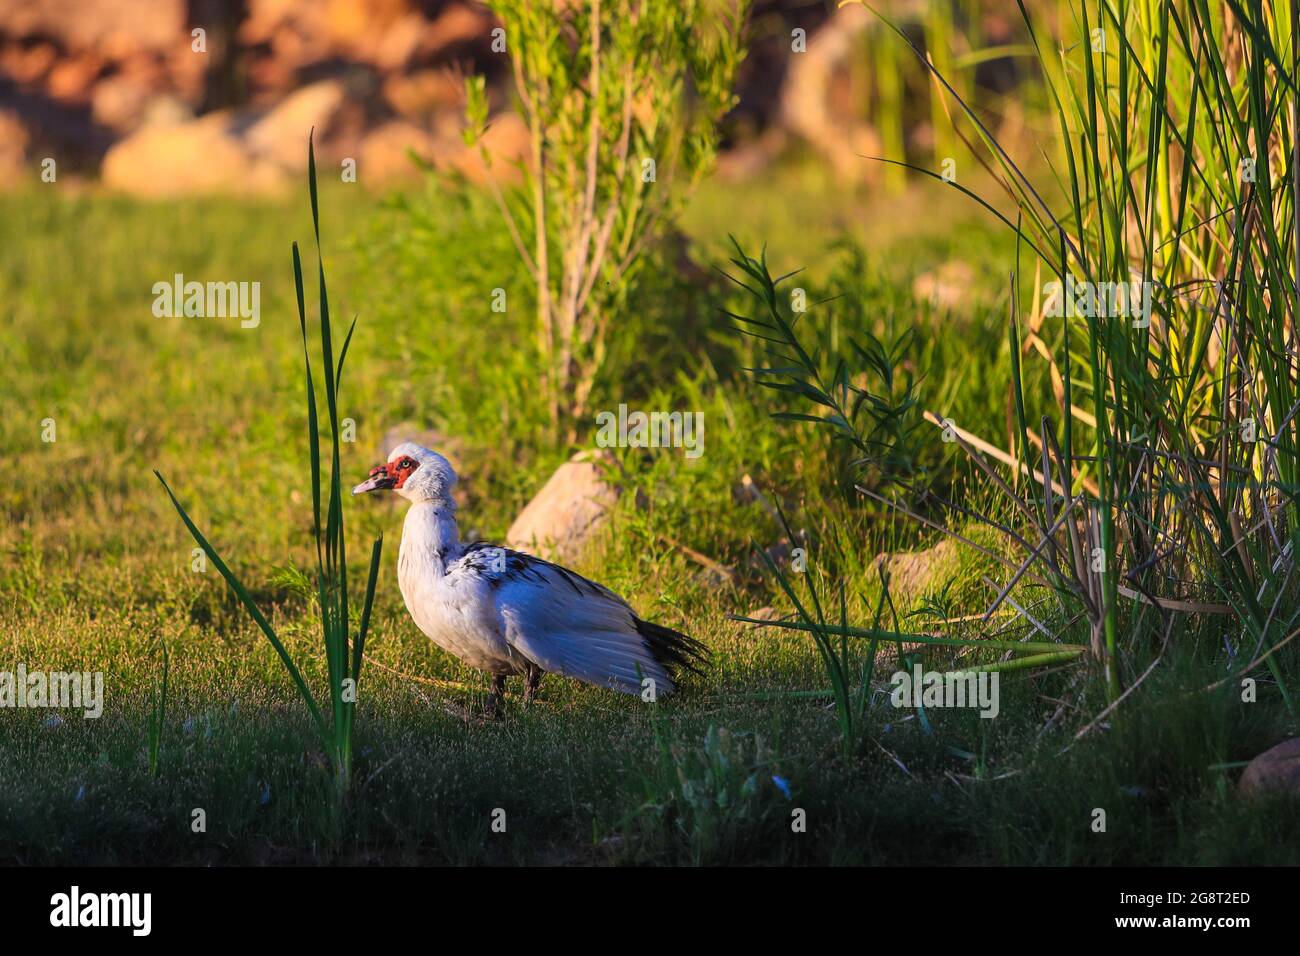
x=622, y=99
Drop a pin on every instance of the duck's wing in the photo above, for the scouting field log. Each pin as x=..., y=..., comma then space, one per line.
x=570, y=625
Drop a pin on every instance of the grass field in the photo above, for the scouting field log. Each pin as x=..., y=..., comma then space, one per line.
x=97, y=571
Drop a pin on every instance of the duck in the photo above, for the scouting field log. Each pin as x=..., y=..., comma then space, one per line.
x=508, y=613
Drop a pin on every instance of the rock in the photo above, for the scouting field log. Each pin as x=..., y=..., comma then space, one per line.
x=385, y=34
x=385, y=152
x=72, y=80
x=1276, y=770
x=13, y=146
x=766, y=613
x=458, y=25
x=426, y=94
x=813, y=102
x=119, y=102
x=946, y=287
x=571, y=507
x=350, y=21
x=506, y=141
x=912, y=573
x=178, y=159
x=399, y=43
x=711, y=579
x=27, y=65
x=166, y=110
x=281, y=135
x=113, y=26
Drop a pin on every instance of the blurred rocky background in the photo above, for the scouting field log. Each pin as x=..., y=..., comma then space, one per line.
x=127, y=91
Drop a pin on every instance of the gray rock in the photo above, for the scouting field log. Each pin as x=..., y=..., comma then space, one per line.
x=1276, y=770
x=281, y=135
x=913, y=573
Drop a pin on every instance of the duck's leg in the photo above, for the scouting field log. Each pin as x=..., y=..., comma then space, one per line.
x=532, y=681
x=496, y=699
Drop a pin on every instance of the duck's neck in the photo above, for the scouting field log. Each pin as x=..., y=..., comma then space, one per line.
x=430, y=536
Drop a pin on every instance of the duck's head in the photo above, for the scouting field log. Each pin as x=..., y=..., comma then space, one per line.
x=414, y=472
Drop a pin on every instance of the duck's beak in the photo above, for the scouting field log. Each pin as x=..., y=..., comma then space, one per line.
x=379, y=479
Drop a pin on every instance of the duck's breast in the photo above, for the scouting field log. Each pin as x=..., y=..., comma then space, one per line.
x=456, y=610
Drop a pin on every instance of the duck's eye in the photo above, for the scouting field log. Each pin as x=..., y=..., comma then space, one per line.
x=406, y=463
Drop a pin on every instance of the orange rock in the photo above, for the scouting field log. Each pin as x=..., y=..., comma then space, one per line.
x=28, y=66
x=384, y=152
x=114, y=28
x=421, y=94
x=73, y=79
x=13, y=146
x=560, y=520
x=179, y=159
x=458, y=23
x=506, y=142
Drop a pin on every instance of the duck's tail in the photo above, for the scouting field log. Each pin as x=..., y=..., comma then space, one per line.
x=673, y=650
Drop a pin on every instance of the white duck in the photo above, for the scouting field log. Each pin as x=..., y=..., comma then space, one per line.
x=506, y=612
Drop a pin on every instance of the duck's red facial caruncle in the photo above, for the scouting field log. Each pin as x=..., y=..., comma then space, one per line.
x=392, y=474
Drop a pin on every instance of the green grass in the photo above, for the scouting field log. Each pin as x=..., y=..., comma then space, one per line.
x=1181, y=502
x=96, y=571
x=344, y=648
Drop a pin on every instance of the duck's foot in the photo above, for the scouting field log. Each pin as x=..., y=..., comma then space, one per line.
x=494, y=707
x=532, y=682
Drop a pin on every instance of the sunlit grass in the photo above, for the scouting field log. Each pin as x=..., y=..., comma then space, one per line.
x=97, y=569
x=344, y=652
